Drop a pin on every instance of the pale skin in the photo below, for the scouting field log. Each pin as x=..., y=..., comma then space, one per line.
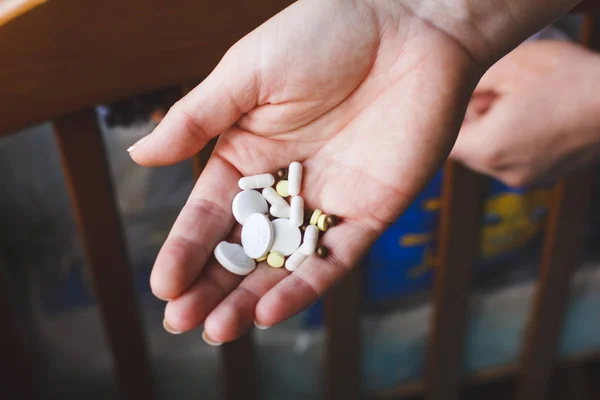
x=534, y=115
x=368, y=95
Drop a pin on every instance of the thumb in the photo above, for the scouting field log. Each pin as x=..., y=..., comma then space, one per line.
x=206, y=111
x=479, y=136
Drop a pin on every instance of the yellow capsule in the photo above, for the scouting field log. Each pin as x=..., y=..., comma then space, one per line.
x=315, y=217
x=282, y=188
x=322, y=223
x=275, y=259
x=263, y=258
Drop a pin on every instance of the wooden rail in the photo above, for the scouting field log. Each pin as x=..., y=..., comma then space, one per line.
x=88, y=179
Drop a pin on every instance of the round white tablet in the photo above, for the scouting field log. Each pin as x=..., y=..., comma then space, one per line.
x=246, y=203
x=232, y=257
x=257, y=235
x=287, y=236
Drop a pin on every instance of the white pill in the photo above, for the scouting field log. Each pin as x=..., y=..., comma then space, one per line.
x=294, y=178
x=311, y=237
x=232, y=257
x=256, y=181
x=280, y=211
x=295, y=260
x=257, y=235
x=287, y=237
x=297, y=211
x=273, y=197
x=247, y=203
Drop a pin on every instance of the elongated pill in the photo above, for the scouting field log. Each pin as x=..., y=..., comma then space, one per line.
x=280, y=211
x=297, y=211
x=295, y=260
x=294, y=178
x=311, y=237
x=256, y=181
x=273, y=197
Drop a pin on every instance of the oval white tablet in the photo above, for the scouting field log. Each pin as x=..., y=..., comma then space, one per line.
x=232, y=257
x=287, y=237
x=247, y=203
x=257, y=235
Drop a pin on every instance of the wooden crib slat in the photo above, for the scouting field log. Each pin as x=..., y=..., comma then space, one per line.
x=562, y=250
x=17, y=377
x=463, y=196
x=343, y=344
x=88, y=180
x=241, y=381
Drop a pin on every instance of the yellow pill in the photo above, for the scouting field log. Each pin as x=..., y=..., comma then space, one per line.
x=263, y=258
x=322, y=223
x=275, y=259
x=282, y=188
x=315, y=217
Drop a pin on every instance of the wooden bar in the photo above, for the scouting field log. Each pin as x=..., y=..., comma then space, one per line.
x=17, y=376
x=241, y=382
x=343, y=345
x=65, y=55
x=462, y=205
x=88, y=179
x=562, y=251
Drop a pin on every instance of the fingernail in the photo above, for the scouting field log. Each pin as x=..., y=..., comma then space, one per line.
x=169, y=329
x=209, y=341
x=259, y=326
x=136, y=144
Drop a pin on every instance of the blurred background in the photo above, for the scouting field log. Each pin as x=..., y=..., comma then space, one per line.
x=46, y=281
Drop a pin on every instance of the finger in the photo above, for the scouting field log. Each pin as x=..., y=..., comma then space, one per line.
x=482, y=136
x=189, y=310
x=213, y=106
x=346, y=243
x=235, y=315
x=204, y=221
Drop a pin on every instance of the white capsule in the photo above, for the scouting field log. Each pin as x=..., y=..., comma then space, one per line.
x=273, y=197
x=256, y=181
x=280, y=211
x=232, y=257
x=297, y=211
x=295, y=260
x=311, y=237
x=294, y=178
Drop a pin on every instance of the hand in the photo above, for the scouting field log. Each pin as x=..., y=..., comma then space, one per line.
x=535, y=115
x=369, y=96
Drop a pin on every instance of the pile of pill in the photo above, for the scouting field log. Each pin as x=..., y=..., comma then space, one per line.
x=282, y=234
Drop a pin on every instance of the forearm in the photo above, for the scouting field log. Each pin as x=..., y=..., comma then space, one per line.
x=488, y=29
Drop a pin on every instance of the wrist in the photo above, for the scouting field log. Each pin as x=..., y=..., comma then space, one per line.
x=489, y=29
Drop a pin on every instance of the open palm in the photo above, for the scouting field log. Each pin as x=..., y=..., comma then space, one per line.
x=368, y=98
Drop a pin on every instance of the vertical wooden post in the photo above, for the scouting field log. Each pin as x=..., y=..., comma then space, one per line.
x=88, y=179
x=463, y=195
x=343, y=345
